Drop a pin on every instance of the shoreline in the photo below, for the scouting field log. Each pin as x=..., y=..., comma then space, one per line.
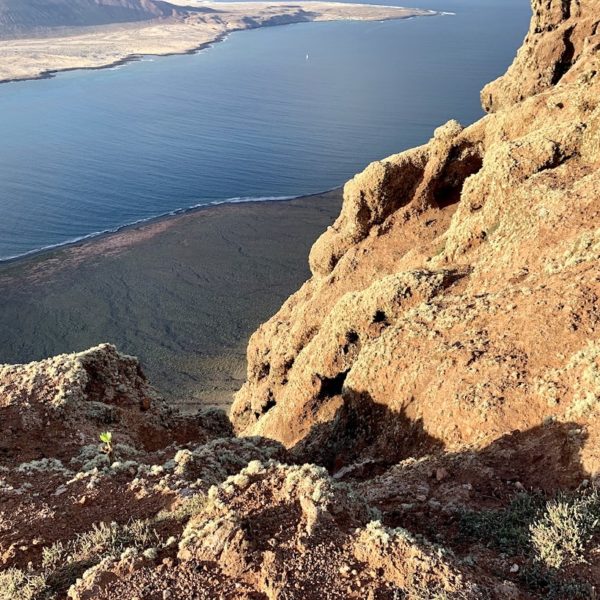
x=183, y=293
x=136, y=225
x=132, y=57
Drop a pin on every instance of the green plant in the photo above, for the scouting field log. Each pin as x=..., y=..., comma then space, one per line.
x=107, y=448
x=506, y=529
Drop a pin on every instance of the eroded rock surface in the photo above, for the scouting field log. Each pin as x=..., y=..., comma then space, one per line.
x=458, y=289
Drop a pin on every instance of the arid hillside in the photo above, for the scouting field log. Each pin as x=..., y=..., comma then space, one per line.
x=420, y=420
x=42, y=38
x=18, y=17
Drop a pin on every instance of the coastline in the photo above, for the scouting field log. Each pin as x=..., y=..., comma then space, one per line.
x=130, y=58
x=169, y=30
x=150, y=221
x=183, y=292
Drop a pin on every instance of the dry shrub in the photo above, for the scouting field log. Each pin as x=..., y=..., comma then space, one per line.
x=562, y=534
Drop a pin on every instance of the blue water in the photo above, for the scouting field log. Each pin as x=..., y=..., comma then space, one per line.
x=90, y=151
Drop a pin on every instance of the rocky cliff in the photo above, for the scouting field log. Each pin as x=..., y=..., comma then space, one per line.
x=419, y=420
x=458, y=288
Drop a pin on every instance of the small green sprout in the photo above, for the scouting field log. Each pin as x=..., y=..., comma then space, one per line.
x=106, y=439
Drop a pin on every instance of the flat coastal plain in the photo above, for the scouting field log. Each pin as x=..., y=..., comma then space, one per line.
x=183, y=293
x=186, y=31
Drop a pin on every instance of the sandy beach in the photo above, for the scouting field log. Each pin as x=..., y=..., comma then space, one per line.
x=183, y=293
x=105, y=46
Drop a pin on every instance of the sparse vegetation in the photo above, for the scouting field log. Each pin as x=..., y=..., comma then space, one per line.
x=184, y=511
x=417, y=408
x=557, y=531
x=53, y=555
x=107, y=448
x=553, y=586
x=16, y=584
x=62, y=563
x=551, y=534
x=505, y=529
x=562, y=534
x=111, y=539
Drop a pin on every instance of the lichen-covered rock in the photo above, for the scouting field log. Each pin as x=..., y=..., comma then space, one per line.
x=100, y=374
x=59, y=406
x=412, y=566
x=292, y=531
x=219, y=458
x=561, y=34
x=490, y=235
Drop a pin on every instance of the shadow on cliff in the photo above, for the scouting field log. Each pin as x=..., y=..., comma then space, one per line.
x=365, y=430
x=485, y=501
x=545, y=457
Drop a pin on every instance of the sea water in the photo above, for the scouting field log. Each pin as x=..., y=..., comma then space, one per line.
x=247, y=119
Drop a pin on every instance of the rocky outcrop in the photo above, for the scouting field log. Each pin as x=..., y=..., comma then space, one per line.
x=561, y=34
x=456, y=293
x=177, y=506
x=279, y=528
x=52, y=408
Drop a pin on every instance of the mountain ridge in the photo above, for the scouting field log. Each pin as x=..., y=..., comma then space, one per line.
x=27, y=16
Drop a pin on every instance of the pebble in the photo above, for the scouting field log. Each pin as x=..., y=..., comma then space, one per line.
x=441, y=474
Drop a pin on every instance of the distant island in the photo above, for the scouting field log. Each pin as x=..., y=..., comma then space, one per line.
x=96, y=34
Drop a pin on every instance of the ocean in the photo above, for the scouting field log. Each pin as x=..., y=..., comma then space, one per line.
x=247, y=119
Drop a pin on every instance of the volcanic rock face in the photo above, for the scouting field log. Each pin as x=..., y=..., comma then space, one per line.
x=178, y=504
x=52, y=408
x=561, y=33
x=410, y=414
x=458, y=288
